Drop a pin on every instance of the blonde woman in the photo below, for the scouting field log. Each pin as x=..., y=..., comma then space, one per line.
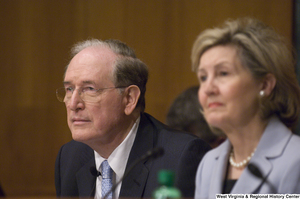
x=249, y=91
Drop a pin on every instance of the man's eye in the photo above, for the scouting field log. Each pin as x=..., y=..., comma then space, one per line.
x=89, y=89
x=69, y=89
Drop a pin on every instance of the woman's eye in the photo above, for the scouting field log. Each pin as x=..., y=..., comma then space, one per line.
x=202, y=78
x=223, y=73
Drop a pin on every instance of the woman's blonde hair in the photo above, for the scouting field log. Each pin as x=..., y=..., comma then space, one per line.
x=262, y=51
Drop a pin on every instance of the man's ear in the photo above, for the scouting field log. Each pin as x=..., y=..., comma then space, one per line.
x=132, y=94
x=268, y=84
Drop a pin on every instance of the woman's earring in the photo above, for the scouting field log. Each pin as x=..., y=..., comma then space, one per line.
x=262, y=93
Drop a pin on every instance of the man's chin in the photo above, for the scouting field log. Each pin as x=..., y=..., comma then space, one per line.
x=81, y=137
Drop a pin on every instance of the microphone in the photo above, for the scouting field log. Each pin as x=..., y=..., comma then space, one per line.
x=151, y=154
x=254, y=170
x=94, y=171
x=155, y=153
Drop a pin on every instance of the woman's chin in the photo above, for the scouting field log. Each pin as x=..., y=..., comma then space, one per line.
x=214, y=122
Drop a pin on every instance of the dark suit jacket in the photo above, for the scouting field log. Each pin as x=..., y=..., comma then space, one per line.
x=182, y=153
x=1, y=192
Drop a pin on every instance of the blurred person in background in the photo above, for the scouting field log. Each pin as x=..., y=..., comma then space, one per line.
x=185, y=114
x=249, y=91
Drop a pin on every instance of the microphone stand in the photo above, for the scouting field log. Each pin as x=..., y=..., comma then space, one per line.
x=254, y=170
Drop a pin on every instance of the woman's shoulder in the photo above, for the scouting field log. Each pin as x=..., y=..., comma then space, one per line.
x=294, y=143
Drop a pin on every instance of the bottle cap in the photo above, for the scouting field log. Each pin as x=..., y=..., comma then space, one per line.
x=166, y=177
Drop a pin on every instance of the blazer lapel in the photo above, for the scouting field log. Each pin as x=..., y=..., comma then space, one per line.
x=249, y=183
x=86, y=182
x=220, y=169
x=133, y=185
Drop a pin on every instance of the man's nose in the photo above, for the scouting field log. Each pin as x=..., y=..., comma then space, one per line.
x=75, y=102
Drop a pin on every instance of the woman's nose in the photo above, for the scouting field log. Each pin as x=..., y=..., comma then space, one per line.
x=210, y=86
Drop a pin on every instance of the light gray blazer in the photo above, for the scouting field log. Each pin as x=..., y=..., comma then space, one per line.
x=277, y=155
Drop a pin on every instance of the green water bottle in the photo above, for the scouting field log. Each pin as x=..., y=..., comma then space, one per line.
x=166, y=190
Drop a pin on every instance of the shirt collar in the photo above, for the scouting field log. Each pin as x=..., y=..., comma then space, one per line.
x=118, y=158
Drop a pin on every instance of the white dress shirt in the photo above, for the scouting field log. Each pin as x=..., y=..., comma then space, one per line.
x=117, y=161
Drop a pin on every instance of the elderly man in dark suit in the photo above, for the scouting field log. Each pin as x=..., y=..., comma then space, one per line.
x=104, y=93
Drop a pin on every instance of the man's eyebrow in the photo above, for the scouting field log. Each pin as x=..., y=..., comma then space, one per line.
x=88, y=82
x=66, y=83
x=84, y=82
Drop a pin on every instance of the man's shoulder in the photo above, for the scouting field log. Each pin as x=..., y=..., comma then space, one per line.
x=75, y=154
x=166, y=130
x=172, y=136
x=75, y=147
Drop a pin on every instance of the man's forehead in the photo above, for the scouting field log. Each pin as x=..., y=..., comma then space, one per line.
x=98, y=51
x=90, y=64
x=93, y=56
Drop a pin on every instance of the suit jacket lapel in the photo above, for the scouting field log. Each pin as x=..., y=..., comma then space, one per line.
x=248, y=183
x=86, y=182
x=220, y=169
x=133, y=185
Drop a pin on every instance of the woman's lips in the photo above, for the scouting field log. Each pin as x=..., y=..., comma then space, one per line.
x=214, y=104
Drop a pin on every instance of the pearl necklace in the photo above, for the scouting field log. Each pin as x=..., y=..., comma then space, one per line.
x=241, y=164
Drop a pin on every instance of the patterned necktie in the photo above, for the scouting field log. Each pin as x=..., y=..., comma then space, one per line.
x=107, y=174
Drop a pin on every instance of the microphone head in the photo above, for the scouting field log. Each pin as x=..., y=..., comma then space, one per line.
x=152, y=154
x=255, y=170
x=157, y=152
x=94, y=171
